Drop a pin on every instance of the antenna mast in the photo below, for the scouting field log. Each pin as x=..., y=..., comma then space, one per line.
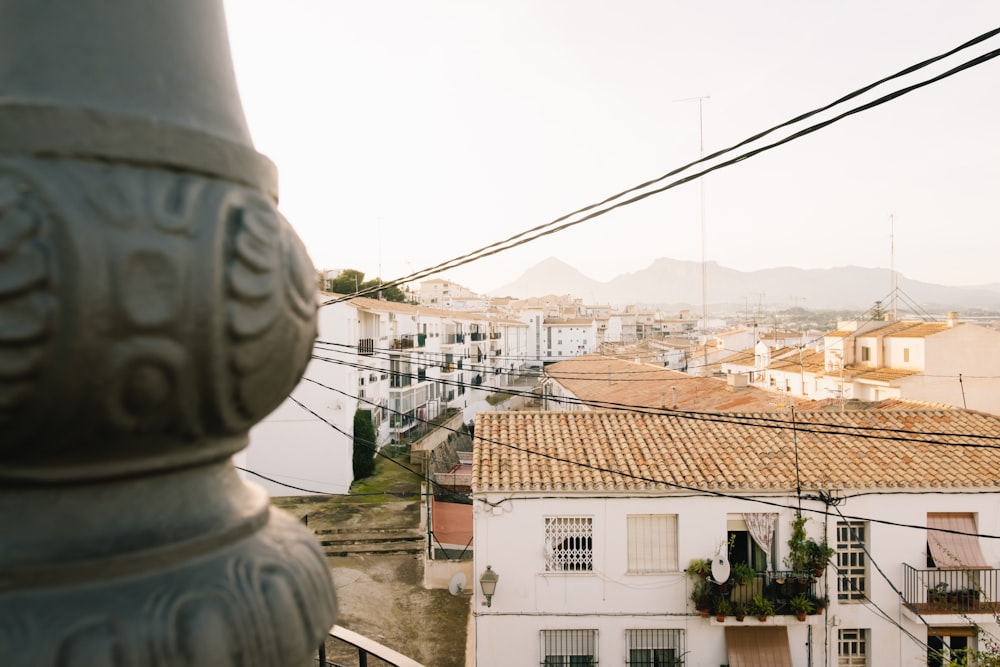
x=892, y=263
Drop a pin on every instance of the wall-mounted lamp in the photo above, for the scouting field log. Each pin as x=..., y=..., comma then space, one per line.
x=488, y=582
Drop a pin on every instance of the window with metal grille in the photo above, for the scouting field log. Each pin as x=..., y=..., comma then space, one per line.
x=652, y=543
x=852, y=648
x=852, y=563
x=569, y=648
x=655, y=648
x=569, y=543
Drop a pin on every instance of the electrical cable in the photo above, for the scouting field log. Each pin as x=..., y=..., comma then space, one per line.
x=755, y=420
x=694, y=490
x=547, y=228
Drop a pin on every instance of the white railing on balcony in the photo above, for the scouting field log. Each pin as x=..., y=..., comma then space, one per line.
x=363, y=648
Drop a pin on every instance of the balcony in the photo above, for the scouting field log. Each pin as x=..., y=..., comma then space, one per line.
x=366, y=347
x=779, y=588
x=495, y=335
x=402, y=343
x=476, y=336
x=951, y=591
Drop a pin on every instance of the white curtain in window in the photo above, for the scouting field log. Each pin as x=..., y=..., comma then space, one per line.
x=761, y=528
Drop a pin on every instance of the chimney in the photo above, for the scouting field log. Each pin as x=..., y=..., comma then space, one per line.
x=952, y=318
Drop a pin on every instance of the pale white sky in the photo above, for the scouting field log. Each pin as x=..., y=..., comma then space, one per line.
x=409, y=132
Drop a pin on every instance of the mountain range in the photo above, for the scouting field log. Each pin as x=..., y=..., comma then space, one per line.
x=678, y=284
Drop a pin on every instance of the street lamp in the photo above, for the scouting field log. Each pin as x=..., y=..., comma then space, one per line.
x=488, y=582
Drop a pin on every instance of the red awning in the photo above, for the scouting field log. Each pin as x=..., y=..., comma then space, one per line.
x=958, y=550
x=763, y=646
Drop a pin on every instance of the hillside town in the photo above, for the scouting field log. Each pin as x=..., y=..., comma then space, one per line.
x=665, y=472
x=214, y=453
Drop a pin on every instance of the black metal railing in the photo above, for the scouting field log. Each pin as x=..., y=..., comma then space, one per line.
x=345, y=648
x=778, y=588
x=402, y=343
x=366, y=347
x=947, y=591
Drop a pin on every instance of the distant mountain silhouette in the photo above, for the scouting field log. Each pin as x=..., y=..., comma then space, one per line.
x=677, y=283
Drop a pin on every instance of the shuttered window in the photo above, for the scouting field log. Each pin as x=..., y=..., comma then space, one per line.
x=652, y=543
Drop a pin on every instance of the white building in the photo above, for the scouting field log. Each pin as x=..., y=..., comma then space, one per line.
x=950, y=363
x=403, y=364
x=589, y=519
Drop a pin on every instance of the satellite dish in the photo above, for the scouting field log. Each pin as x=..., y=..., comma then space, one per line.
x=457, y=584
x=720, y=566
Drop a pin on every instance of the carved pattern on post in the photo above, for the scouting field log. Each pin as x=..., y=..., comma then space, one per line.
x=26, y=305
x=185, y=313
x=154, y=305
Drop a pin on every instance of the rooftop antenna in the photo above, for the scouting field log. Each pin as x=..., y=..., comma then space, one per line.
x=701, y=193
x=892, y=263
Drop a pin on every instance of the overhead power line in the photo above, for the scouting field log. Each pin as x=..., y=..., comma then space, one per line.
x=596, y=210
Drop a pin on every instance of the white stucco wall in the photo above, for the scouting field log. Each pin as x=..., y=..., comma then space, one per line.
x=509, y=537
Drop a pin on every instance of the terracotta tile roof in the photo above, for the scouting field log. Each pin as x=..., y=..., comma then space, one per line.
x=922, y=330
x=631, y=451
x=883, y=374
x=741, y=358
x=812, y=362
x=606, y=382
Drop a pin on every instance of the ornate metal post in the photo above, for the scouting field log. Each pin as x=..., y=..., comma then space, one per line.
x=153, y=306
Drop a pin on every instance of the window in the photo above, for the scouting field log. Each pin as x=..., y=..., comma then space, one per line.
x=569, y=648
x=652, y=543
x=655, y=648
x=569, y=544
x=866, y=353
x=949, y=645
x=852, y=648
x=906, y=354
x=852, y=562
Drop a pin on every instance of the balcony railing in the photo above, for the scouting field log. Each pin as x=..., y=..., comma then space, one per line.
x=345, y=647
x=366, y=347
x=939, y=591
x=402, y=343
x=778, y=587
x=477, y=336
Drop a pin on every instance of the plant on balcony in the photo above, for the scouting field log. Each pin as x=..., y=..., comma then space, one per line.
x=739, y=611
x=701, y=595
x=699, y=567
x=761, y=607
x=798, y=558
x=819, y=554
x=802, y=605
x=742, y=574
x=722, y=609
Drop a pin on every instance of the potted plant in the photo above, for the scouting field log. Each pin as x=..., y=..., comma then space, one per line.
x=937, y=593
x=819, y=554
x=821, y=604
x=701, y=595
x=802, y=605
x=722, y=609
x=742, y=574
x=761, y=607
x=739, y=611
x=699, y=567
x=798, y=558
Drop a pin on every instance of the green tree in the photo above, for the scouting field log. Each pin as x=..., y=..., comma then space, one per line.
x=364, y=444
x=351, y=280
x=348, y=282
